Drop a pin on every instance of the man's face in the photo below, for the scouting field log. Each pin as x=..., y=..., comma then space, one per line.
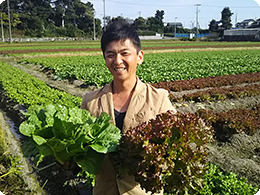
x=122, y=59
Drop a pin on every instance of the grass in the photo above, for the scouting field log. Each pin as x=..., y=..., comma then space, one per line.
x=11, y=180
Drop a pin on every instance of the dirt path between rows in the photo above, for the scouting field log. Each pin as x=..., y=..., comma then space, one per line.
x=146, y=51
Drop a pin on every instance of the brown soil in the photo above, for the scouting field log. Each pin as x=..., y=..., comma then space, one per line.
x=144, y=48
x=147, y=50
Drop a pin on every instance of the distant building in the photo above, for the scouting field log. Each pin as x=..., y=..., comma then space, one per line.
x=246, y=34
x=178, y=24
x=245, y=23
x=256, y=24
x=129, y=20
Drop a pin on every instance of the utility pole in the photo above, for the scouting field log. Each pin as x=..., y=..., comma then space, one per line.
x=197, y=19
x=191, y=29
x=236, y=20
x=2, y=28
x=175, y=27
x=94, y=26
x=10, y=33
x=104, y=15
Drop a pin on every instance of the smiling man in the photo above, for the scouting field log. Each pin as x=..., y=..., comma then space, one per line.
x=126, y=99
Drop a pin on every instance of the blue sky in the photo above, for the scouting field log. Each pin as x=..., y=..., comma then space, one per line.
x=185, y=11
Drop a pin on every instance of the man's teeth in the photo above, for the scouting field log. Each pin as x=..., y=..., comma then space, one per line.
x=119, y=69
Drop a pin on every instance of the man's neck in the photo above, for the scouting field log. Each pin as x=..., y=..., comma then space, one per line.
x=122, y=94
x=120, y=87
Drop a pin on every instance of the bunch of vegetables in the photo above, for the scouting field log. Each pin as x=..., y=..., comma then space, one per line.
x=71, y=135
x=168, y=152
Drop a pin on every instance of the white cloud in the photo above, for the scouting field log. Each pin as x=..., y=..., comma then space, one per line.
x=257, y=1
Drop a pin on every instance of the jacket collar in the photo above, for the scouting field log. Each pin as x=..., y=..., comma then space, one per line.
x=106, y=101
x=133, y=108
x=136, y=103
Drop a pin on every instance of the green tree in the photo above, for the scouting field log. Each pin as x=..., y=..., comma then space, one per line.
x=156, y=23
x=213, y=26
x=98, y=27
x=117, y=18
x=159, y=15
x=84, y=17
x=140, y=23
x=108, y=20
x=32, y=26
x=56, y=18
x=170, y=29
x=60, y=8
x=34, y=15
x=226, y=18
x=15, y=20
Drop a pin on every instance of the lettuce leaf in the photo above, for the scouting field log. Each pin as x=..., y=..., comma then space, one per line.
x=71, y=134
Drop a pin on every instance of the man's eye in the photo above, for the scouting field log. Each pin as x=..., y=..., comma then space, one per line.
x=110, y=56
x=125, y=54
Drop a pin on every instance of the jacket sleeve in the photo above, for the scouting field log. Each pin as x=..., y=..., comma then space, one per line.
x=166, y=103
x=90, y=102
x=84, y=102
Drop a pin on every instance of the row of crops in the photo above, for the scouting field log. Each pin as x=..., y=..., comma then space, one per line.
x=7, y=49
x=27, y=90
x=156, y=67
x=160, y=69
x=24, y=83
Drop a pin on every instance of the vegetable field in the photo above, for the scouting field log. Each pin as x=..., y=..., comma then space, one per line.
x=217, y=81
x=156, y=67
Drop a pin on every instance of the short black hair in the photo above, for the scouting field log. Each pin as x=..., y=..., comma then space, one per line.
x=120, y=30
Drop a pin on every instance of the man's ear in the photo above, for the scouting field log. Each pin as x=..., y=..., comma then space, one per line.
x=140, y=57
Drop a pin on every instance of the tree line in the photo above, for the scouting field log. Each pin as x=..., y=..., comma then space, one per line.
x=43, y=18
x=73, y=18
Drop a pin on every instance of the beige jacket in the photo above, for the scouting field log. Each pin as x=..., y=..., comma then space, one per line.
x=145, y=104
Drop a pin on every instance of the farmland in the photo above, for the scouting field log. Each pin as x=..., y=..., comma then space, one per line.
x=218, y=80
x=183, y=66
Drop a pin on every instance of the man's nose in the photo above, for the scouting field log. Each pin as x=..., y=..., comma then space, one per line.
x=118, y=59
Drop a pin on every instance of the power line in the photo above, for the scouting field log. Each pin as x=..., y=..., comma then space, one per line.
x=164, y=5
x=141, y=4
x=221, y=6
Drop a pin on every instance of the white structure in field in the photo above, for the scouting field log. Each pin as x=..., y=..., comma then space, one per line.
x=246, y=34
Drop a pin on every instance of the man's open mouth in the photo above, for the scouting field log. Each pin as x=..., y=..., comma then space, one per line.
x=119, y=69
